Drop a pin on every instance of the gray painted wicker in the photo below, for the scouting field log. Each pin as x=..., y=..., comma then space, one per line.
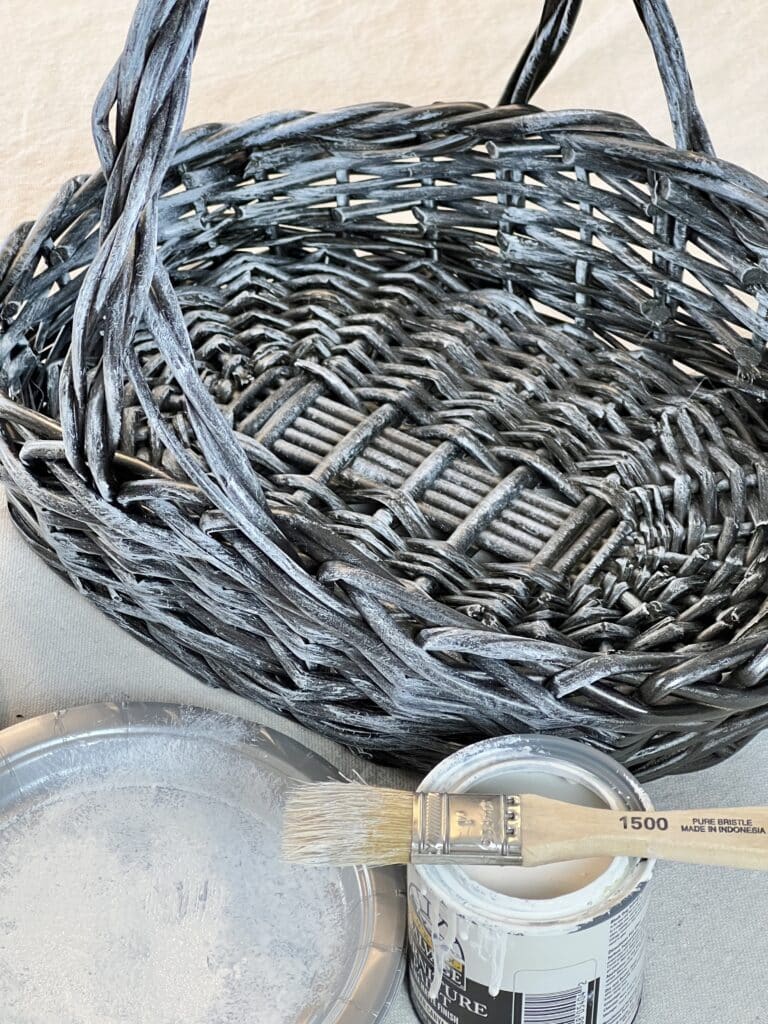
x=418, y=424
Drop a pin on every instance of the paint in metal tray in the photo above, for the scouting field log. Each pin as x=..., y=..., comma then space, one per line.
x=141, y=881
x=560, y=944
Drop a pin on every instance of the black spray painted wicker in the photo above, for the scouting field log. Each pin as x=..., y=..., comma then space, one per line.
x=417, y=424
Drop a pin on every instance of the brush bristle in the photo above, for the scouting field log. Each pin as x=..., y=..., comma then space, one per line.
x=345, y=823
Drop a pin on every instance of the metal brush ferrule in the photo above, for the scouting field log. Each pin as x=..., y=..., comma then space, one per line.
x=466, y=828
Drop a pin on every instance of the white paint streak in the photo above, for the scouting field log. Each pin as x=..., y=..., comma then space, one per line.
x=124, y=902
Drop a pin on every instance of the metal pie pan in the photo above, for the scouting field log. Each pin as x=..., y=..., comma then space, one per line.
x=41, y=757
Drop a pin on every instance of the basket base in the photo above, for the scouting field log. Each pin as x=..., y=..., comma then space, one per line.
x=483, y=532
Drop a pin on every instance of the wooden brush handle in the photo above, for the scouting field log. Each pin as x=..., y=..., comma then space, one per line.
x=729, y=836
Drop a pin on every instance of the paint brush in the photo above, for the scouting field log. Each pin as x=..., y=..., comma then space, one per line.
x=351, y=823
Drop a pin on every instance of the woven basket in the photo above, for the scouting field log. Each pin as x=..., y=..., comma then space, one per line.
x=417, y=424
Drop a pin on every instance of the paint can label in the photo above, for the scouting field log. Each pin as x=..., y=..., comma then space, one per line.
x=591, y=975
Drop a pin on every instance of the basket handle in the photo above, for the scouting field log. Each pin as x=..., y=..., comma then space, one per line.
x=147, y=92
x=548, y=41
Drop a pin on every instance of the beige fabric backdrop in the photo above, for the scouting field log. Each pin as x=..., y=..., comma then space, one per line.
x=259, y=55
x=708, y=947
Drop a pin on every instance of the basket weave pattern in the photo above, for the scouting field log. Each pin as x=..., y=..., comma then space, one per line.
x=419, y=425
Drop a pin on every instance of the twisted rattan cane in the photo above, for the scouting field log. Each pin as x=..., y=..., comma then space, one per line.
x=418, y=425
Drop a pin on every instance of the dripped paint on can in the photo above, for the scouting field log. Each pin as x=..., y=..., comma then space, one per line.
x=531, y=945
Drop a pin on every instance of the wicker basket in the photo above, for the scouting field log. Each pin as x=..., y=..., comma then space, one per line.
x=417, y=424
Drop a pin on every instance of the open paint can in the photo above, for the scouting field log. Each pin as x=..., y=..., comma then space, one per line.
x=558, y=944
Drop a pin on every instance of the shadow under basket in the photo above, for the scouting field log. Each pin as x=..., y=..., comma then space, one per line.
x=416, y=424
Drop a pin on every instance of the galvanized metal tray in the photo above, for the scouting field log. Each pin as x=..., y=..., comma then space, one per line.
x=139, y=879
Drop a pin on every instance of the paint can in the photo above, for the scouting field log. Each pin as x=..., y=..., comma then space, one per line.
x=561, y=944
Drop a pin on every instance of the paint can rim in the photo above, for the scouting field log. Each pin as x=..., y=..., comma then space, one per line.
x=570, y=761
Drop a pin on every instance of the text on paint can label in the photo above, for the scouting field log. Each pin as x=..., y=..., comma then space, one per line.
x=592, y=975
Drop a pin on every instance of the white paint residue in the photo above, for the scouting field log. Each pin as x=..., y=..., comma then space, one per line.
x=485, y=938
x=137, y=903
x=490, y=942
x=442, y=943
x=438, y=957
x=549, y=880
x=500, y=942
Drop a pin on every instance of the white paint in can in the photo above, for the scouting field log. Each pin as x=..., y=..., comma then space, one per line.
x=520, y=945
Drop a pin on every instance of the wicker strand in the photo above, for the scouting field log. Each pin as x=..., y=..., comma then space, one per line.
x=416, y=424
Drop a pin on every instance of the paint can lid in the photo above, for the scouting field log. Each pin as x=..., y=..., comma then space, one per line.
x=140, y=878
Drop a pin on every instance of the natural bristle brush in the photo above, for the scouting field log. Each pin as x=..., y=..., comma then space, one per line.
x=351, y=823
